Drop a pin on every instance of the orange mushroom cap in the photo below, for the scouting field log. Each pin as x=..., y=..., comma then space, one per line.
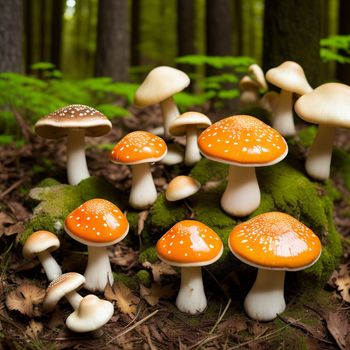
x=189, y=243
x=242, y=140
x=275, y=241
x=97, y=222
x=138, y=147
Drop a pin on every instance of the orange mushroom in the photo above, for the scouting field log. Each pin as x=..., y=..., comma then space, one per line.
x=244, y=143
x=190, y=244
x=274, y=243
x=138, y=149
x=97, y=223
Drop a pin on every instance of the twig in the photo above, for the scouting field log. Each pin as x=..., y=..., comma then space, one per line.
x=12, y=187
x=220, y=317
x=204, y=341
x=133, y=326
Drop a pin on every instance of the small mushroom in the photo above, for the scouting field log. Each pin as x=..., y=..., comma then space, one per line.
x=175, y=154
x=274, y=243
x=243, y=142
x=328, y=106
x=250, y=94
x=188, y=124
x=290, y=78
x=258, y=75
x=75, y=122
x=97, y=223
x=181, y=187
x=41, y=244
x=138, y=149
x=190, y=245
x=269, y=102
x=159, y=86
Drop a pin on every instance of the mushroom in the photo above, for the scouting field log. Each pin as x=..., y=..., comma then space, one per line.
x=190, y=245
x=188, y=124
x=138, y=149
x=175, y=154
x=290, y=77
x=159, y=86
x=329, y=106
x=97, y=223
x=75, y=122
x=257, y=75
x=41, y=244
x=181, y=187
x=269, y=102
x=274, y=243
x=244, y=143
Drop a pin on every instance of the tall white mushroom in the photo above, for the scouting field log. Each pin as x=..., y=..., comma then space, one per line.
x=75, y=122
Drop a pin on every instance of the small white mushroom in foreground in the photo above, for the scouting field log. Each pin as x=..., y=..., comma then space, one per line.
x=181, y=187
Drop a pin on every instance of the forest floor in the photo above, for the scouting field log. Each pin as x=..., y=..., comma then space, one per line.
x=146, y=318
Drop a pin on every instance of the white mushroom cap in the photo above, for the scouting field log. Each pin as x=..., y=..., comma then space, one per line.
x=188, y=119
x=269, y=101
x=289, y=76
x=38, y=242
x=175, y=155
x=258, y=75
x=328, y=104
x=247, y=83
x=57, y=289
x=91, y=314
x=160, y=84
x=181, y=187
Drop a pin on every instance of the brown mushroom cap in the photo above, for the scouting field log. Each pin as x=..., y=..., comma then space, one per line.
x=56, y=124
x=289, y=76
x=180, y=124
x=181, y=187
x=328, y=104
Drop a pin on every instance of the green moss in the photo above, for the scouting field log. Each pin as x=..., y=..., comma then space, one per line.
x=133, y=218
x=306, y=136
x=149, y=254
x=144, y=277
x=206, y=170
x=130, y=281
x=49, y=181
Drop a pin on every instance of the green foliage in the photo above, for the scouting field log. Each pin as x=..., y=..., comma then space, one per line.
x=335, y=48
x=216, y=61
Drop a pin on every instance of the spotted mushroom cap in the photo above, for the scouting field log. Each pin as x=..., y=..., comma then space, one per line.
x=97, y=222
x=56, y=124
x=62, y=285
x=189, y=243
x=328, y=104
x=181, y=187
x=188, y=119
x=289, y=76
x=38, y=242
x=244, y=141
x=138, y=147
x=160, y=84
x=275, y=241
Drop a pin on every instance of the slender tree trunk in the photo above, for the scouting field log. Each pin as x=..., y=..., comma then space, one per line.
x=135, y=32
x=11, y=28
x=237, y=28
x=43, y=30
x=292, y=32
x=56, y=32
x=112, y=58
x=343, y=70
x=28, y=25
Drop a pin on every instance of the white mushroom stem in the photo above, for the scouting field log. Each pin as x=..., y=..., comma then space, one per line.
x=143, y=191
x=249, y=97
x=77, y=169
x=191, y=298
x=266, y=298
x=170, y=112
x=318, y=160
x=51, y=268
x=74, y=299
x=192, y=154
x=283, y=118
x=242, y=194
x=98, y=270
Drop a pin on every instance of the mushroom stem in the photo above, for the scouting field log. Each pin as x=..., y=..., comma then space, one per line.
x=283, y=118
x=51, y=268
x=242, y=194
x=74, y=299
x=98, y=270
x=318, y=160
x=191, y=298
x=192, y=154
x=170, y=112
x=143, y=191
x=249, y=97
x=266, y=298
x=77, y=169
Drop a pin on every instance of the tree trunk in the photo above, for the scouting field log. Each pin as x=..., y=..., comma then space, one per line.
x=28, y=25
x=343, y=70
x=135, y=32
x=11, y=28
x=112, y=56
x=43, y=31
x=292, y=32
x=56, y=32
x=237, y=28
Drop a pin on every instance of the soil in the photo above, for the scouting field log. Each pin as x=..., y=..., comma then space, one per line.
x=319, y=321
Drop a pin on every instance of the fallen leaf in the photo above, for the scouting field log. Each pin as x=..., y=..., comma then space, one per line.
x=56, y=320
x=339, y=326
x=125, y=300
x=124, y=256
x=24, y=298
x=18, y=210
x=141, y=218
x=34, y=329
x=18, y=227
x=256, y=328
x=340, y=280
x=153, y=294
x=158, y=269
x=233, y=325
x=209, y=185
